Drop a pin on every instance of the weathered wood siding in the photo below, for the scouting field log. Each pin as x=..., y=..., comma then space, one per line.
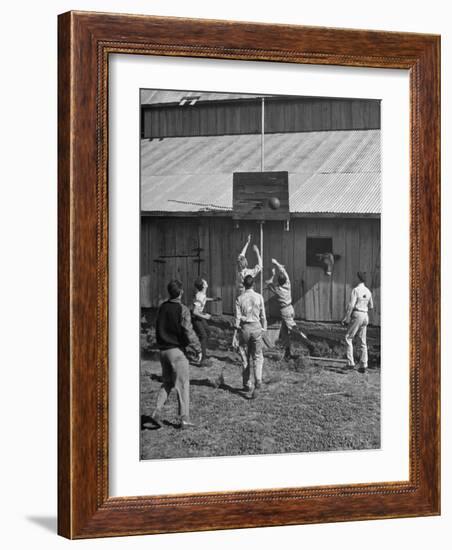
x=316, y=296
x=244, y=117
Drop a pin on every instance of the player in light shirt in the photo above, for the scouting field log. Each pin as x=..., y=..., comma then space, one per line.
x=280, y=285
x=242, y=265
x=250, y=324
x=357, y=319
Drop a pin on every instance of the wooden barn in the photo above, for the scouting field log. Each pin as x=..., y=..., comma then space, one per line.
x=192, y=144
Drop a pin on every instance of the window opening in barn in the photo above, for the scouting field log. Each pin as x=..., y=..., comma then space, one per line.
x=315, y=248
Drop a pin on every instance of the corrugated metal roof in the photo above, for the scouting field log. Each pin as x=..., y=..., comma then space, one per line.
x=329, y=172
x=152, y=97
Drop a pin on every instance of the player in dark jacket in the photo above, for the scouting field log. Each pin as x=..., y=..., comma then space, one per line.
x=175, y=335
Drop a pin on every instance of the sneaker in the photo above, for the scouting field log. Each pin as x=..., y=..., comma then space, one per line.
x=186, y=424
x=256, y=390
x=362, y=369
x=156, y=419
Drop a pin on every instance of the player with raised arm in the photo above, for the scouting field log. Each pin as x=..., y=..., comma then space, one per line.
x=242, y=265
x=280, y=285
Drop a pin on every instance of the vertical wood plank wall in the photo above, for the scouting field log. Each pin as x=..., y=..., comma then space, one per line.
x=217, y=118
x=316, y=296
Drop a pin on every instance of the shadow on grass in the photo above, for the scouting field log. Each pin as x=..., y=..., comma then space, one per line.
x=220, y=386
x=175, y=425
x=235, y=391
x=225, y=359
x=205, y=382
x=339, y=370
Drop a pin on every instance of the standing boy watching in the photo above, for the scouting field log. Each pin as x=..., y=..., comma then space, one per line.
x=279, y=284
x=174, y=334
x=250, y=323
x=357, y=319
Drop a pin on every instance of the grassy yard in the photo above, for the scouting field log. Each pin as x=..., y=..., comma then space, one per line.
x=303, y=406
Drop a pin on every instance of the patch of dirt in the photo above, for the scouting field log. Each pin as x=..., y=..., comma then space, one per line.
x=301, y=407
x=327, y=338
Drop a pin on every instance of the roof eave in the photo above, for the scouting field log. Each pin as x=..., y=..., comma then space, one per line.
x=228, y=214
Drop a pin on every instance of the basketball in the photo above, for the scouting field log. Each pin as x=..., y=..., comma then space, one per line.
x=274, y=203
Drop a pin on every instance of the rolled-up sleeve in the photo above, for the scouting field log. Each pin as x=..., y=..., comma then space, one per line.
x=256, y=269
x=271, y=286
x=238, y=314
x=282, y=270
x=351, y=303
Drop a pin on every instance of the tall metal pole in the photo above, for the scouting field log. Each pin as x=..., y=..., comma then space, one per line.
x=261, y=223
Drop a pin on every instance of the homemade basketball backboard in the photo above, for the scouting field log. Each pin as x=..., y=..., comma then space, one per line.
x=260, y=196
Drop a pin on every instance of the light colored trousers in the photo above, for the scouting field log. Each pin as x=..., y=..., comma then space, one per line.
x=357, y=327
x=251, y=351
x=287, y=326
x=175, y=374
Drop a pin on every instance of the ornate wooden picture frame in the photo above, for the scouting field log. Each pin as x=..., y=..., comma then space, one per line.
x=85, y=508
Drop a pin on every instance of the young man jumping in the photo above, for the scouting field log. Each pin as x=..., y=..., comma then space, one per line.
x=242, y=265
x=279, y=284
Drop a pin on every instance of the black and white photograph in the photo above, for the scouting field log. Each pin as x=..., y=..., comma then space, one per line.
x=259, y=274
x=223, y=319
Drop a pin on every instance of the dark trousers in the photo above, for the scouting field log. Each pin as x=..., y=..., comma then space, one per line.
x=202, y=331
x=289, y=327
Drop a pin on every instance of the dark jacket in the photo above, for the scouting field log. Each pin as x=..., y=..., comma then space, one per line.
x=174, y=328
